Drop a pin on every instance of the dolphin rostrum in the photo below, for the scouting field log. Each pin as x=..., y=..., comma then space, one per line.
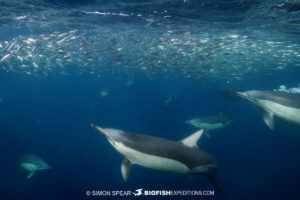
x=283, y=105
x=33, y=164
x=161, y=154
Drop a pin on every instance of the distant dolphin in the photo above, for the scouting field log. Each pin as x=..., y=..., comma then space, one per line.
x=210, y=122
x=282, y=105
x=130, y=82
x=33, y=164
x=161, y=154
x=174, y=97
x=103, y=93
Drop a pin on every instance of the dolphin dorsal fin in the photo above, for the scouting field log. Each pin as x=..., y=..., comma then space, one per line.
x=192, y=140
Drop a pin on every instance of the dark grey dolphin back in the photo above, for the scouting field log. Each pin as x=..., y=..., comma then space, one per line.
x=291, y=100
x=190, y=156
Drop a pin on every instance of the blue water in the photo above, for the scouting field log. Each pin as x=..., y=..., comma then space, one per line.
x=50, y=93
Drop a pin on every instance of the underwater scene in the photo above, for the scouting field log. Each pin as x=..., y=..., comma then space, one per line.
x=150, y=99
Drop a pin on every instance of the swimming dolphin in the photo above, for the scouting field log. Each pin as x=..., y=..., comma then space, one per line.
x=130, y=82
x=33, y=164
x=285, y=106
x=210, y=122
x=158, y=153
x=174, y=97
x=103, y=93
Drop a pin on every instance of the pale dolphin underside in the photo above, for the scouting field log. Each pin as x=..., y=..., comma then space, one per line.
x=161, y=154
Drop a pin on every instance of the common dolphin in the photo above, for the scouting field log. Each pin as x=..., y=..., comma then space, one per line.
x=209, y=123
x=171, y=100
x=33, y=164
x=130, y=82
x=174, y=97
x=283, y=105
x=161, y=154
x=103, y=93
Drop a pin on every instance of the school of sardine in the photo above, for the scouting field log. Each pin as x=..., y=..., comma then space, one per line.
x=186, y=54
x=152, y=44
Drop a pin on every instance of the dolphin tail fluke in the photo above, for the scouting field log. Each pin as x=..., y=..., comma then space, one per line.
x=163, y=107
x=210, y=172
x=50, y=167
x=30, y=174
x=234, y=127
x=215, y=183
x=269, y=119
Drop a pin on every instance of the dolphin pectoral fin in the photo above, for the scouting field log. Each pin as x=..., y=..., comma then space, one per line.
x=269, y=119
x=30, y=174
x=191, y=141
x=125, y=169
x=207, y=134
